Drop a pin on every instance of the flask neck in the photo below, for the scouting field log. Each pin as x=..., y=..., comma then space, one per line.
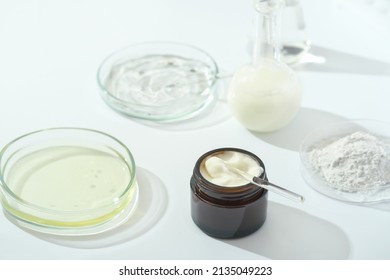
x=268, y=33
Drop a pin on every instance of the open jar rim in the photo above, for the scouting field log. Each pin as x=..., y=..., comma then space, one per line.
x=228, y=193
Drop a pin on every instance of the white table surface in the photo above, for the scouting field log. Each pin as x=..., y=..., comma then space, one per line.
x=49, y=54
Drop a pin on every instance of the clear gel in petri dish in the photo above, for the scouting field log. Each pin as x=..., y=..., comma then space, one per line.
x=158, y=81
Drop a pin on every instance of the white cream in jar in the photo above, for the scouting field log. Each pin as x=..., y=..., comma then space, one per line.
x=216, y=168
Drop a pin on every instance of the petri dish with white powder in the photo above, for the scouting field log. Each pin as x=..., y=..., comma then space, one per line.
x=349, y=161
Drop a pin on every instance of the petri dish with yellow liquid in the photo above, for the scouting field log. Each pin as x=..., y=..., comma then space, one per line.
x=68, y=181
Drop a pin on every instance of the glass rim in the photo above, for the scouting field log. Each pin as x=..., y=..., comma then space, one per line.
x=118, y=200
x=102, y=86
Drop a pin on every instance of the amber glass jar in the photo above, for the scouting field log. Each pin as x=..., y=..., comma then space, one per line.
x=227, y=212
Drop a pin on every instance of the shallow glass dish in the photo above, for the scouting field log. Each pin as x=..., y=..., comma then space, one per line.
x=159, y=81
x=326, y=135
x=67, y=181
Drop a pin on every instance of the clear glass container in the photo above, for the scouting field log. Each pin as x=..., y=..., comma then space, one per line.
x=295, y=42
x=67, y=181
x=266, y=94
x=227, y=212
x=158, y=81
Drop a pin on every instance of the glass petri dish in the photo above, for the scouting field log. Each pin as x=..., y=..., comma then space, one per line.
x=67, y=181
x=325, y=135
x=158, y=81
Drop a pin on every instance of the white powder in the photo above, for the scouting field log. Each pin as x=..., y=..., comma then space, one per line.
x=357, y=162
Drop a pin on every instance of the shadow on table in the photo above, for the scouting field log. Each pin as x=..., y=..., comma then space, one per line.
x=341, y=62
x=383, y=206
x=289, y=233
x=152, y=204
x=306, y=121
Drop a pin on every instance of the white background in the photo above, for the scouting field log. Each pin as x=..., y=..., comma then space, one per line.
x=49, y=55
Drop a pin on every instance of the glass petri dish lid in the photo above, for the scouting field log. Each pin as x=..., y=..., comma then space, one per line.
x=67, y=181
x=349, y=161
x=158, y=81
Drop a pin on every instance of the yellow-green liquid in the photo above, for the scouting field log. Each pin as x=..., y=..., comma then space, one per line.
x=70, y=179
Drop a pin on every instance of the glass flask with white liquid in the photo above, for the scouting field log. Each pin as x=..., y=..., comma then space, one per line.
x=265, y=95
